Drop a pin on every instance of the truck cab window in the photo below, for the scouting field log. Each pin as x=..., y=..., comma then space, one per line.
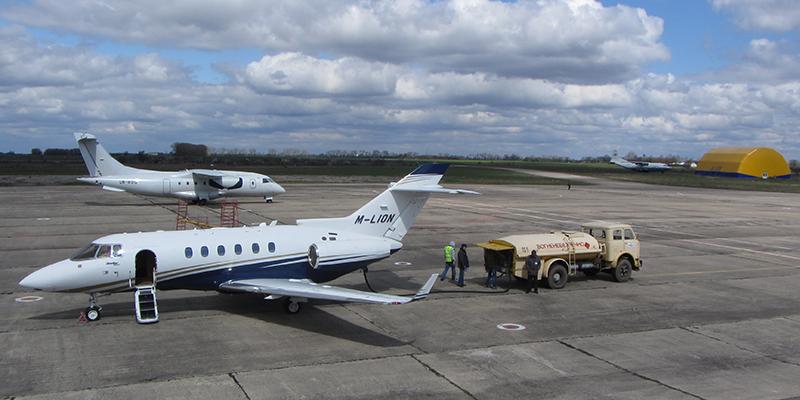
x=629, y=234
x=617, y=234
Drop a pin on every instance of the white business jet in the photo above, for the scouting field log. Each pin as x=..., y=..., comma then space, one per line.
x=277, y=261
x=195, y=185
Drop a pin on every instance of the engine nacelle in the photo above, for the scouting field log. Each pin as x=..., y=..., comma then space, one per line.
x=226, y=182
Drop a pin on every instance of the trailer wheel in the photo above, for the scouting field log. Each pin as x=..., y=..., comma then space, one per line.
x=623, y=271
x=557, y=276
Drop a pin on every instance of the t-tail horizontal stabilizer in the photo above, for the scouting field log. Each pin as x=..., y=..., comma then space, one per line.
x=392, y=212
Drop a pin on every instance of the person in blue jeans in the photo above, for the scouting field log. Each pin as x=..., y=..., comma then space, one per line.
x=491, y=269
x=463, y=263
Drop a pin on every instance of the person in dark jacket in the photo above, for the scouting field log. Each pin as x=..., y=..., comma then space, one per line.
x=490, y=264
x=532, y=265
x=463, y=263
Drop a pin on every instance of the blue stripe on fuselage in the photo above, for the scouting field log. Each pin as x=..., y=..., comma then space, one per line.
x=275, y=269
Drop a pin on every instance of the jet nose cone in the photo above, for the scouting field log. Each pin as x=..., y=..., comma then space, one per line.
x=279, y=189
x=33, y=281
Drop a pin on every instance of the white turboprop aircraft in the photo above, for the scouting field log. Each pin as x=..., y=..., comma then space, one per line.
x=195, y=185
x=289, y=261
x=641, y=166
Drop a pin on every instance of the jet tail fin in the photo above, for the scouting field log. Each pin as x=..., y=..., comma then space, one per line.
x=392, y=212
x=98, y=161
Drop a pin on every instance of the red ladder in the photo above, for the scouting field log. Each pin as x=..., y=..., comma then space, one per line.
x=182, y=216
x=229, y=213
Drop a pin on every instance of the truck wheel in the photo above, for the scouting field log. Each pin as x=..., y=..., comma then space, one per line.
x=557, y=276
x=623, y=271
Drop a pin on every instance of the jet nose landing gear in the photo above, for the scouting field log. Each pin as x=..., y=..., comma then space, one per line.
x=93, y=311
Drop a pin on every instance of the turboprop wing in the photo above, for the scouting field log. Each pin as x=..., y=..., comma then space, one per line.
x=304, y=288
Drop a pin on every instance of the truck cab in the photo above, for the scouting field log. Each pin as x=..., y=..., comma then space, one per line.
x=618, y=243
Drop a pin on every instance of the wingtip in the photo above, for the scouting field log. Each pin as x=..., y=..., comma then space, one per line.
x=426, y=289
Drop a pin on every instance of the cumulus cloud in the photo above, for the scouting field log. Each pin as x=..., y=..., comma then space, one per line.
x=770, y=15
x=298, y=74
x=422, y=82
x=563, y=40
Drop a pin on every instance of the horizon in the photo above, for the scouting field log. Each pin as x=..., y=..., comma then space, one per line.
x=557, y=78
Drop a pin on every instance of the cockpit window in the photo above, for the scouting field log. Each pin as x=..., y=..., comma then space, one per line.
x=265, y=180
x=104, y=252
x=85, y=253
x=94, y=250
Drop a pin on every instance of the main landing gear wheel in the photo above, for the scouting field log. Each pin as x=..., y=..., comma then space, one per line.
x=291, y=306
x=623, y=271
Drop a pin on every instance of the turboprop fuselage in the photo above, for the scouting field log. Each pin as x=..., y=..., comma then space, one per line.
x=197, y=185
x=190, y=186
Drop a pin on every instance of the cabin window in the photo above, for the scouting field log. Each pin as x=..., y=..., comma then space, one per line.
x=237, y=249
x=256, y=249
x=271, y=247
x=204, y=251
x=617, y=234
x=188, y=252
x=629, y=234
x=221, y=250
x=85, y=253
x=117, y=250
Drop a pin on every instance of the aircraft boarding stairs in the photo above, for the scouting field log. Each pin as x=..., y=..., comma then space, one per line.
x=146, y=305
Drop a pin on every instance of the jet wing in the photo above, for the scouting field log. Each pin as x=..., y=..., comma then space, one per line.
x=307, y=289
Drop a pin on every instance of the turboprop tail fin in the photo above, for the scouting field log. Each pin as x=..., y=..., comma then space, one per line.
x=98, y=161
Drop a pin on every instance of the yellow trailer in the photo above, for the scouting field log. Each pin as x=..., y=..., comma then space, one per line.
x=598, y=246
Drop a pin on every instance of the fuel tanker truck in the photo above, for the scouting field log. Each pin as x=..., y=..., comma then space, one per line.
x=598, y=246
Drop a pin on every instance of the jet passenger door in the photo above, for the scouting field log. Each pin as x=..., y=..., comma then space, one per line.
x=166, y=187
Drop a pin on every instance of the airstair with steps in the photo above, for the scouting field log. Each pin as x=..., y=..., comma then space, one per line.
x=146, y=306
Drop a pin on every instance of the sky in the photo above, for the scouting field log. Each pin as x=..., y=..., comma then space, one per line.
x=571, y=78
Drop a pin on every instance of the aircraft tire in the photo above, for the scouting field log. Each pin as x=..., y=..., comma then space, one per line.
x=291, y=307
x=92, y=313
